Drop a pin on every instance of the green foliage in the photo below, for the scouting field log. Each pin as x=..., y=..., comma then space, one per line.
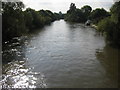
x=28, y=19
x=110, y=28
x=115, y=12
x=17, y=22
x=75, y=15
x=86, y=10
x=59, y=15
x=47, y=16
x=111, y=25
x=72, y=7
x=33, y=18
x=98, y=14
x=85, y=13
x=12, y=19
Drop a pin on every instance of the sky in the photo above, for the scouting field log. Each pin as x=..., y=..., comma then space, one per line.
x=63, y=5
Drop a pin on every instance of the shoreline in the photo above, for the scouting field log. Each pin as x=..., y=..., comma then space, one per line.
x=94, y=26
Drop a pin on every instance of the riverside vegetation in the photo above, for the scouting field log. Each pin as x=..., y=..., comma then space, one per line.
x=17, y=22
x=31, y=58
x=106, y=22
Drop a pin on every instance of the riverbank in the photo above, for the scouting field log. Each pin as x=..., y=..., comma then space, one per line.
x=21, y=22
x=94, y=26
x=76, y=52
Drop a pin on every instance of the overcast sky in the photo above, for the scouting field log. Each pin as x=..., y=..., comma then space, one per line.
x=63, y=5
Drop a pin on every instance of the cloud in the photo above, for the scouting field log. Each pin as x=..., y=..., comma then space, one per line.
x=116, y=0
x=63, y=5
x=45, y=3
x=11, y=0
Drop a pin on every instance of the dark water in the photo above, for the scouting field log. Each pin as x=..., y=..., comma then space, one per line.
x=60, y=55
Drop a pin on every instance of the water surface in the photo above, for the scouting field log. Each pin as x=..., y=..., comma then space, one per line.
x=61, y=55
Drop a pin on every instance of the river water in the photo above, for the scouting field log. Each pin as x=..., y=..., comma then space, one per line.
x=60, y=55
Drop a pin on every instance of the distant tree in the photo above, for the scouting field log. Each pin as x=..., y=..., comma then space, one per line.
x=98, y=14
x=59, y=15
x=47, y=16
x=36, y=18
x=51, y=15
x=86, y=10
x=74, y=14
x=72, y=7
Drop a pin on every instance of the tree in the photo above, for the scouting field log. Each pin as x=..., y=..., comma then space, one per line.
x=115, y=12
x=61, y=15
x=98, y=14
x=72, y=7
x=111, y=25
x=86, y=10
x=47, y=16
x=13, y=19
x=17, y=22
x=116, y=18
x=28, y=19
x=74, y=14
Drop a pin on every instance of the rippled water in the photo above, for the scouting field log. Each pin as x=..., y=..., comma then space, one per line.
x=60, y=55
x=18, y=74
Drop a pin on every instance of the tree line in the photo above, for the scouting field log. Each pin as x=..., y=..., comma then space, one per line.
x=16, y=22
x=110, y=25
x=106, y=22
x=85, y=13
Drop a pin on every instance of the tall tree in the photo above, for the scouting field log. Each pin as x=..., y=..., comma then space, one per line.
x=111, y=25
x=13, y=19
x=98, y=14
x=72, y=6
x=74, y=14
x=86, y=10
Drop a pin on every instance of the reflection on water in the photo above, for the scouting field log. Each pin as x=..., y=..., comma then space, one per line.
x=69, y=55
x=109, y=58
x=17, y=75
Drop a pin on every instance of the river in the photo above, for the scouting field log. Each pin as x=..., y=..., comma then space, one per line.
x=60, y=55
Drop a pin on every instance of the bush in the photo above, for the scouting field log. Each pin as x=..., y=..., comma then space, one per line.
x=110, y=28
x=111, y=25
